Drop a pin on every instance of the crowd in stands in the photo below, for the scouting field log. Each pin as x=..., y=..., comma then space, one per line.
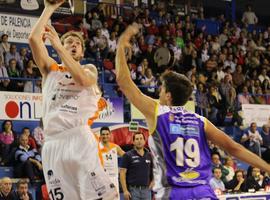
x=226, y=70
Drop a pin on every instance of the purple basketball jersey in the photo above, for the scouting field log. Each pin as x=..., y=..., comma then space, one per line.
x=181, y=153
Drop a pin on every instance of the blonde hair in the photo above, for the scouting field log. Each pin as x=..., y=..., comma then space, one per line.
x=74, y=34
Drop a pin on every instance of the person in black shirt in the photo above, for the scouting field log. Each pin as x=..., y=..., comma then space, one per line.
x=136, y=171
x=238, y=183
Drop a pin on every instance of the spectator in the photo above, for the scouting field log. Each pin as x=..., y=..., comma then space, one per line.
x=215, y=182
x=244, y=97
x=265, y=133
x=22, y=62
x=229, y=166
x=263, y=76
x=31, y=140
x=249, y=17
x=38, y=135
x=150, y=82
x=22, y=192
x=201, y=100
x=7, y=141
x=215, y=108
x=256, y=180
x=6, y=189
x=4, y=83
x=216, y=163
x=238, y=76
x=252, y=139
x=28, y=161
x=13, y=72
x=4, y=45
x=136, y=171
x=95, y=22
x=238, y=183
x=29, y=72
x=12, y=54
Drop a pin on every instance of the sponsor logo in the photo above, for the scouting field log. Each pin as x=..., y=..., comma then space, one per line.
x=171, y=117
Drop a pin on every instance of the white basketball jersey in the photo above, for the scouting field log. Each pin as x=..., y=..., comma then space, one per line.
x=66, y=104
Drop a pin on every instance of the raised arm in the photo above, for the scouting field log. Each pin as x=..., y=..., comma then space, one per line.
x=219, y=138
x=144, y=103
x=36, y=43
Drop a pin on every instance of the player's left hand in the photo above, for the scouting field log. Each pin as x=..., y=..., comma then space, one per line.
x=51, y=34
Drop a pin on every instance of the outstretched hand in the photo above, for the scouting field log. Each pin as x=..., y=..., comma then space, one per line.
x=124, y=40
x=51, y=34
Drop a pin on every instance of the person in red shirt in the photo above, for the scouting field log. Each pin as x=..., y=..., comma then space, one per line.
x=31, y=141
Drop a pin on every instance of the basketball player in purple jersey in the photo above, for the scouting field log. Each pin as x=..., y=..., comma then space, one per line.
x=178, y=141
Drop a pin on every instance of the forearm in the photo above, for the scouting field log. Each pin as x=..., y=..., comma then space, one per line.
x=247, y=156
x=123, y=181
x=38, y=29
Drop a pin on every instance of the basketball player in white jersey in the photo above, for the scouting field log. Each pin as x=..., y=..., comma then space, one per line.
x=109, y=153
x=71, y=164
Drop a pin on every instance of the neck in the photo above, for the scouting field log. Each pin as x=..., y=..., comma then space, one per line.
x=140, y=150
x=106, y=144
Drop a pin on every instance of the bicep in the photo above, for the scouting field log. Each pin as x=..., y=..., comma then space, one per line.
x=217, y=136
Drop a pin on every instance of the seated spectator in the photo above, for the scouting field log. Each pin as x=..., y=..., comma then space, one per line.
x=252, y=139
x=229, y=165
x=13, y=72
x=215, y=182
x=265, y=133
x=22, y=62
x=4, y=83
x=7, y=141
x=22, y=192
x=30, y=73
x=31, y=140
x=6, y=189
x=256, y=180
x=244, y=97
x=238, y=183
x=263, y=76
x=12, y=54
x=216, y=163
x=28, y=161
x=38, y=135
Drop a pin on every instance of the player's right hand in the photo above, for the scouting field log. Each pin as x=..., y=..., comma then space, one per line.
x=127, y=195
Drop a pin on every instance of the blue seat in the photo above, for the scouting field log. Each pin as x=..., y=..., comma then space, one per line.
x=6, y=172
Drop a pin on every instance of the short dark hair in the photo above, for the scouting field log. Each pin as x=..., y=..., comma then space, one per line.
x=104, y=128
x=21, y=182
x=178, y=85
x=137, y=133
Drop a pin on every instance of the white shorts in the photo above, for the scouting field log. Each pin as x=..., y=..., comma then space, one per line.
x=72, y=168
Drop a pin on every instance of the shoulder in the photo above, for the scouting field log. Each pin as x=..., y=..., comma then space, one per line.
x=90, y=68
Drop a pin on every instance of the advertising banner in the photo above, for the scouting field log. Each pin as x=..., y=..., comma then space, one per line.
x=255, y=113
x=20, y=106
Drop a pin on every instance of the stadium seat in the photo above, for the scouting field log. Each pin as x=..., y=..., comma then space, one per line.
x=7, y=172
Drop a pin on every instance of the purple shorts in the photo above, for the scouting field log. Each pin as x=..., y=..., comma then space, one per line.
x=202, y=192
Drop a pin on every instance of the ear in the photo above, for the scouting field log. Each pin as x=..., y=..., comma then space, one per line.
x=168, y=98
